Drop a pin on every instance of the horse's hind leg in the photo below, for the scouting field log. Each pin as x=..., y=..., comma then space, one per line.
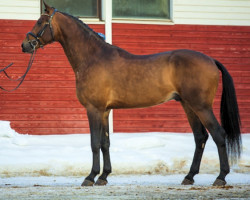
x=218, y=134
x=200, y=136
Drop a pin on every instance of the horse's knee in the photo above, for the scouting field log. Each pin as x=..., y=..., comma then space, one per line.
x=105, y=146
x=95, y=148
x=105, y=143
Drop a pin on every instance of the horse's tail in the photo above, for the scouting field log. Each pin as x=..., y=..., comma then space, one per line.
x=229, y=114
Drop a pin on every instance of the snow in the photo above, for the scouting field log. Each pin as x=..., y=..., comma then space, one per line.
x=137, y=154
x=124, y=180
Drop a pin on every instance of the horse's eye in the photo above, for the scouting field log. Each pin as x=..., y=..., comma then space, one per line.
x=39, y=23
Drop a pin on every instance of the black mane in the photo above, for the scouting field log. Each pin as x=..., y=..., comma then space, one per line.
x=83, y=25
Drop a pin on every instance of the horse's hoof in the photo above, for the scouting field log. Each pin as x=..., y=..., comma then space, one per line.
x=101, y=182
x=187, y=182
x=219, y=182
x=87, y=183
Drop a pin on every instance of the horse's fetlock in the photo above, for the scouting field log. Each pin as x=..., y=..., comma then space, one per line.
x=107, y=171
x=192, y=173
x=95, y=171
x=226, y=171
x=196, y=172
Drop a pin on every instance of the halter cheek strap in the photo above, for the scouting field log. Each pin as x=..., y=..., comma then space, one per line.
x=36, y=41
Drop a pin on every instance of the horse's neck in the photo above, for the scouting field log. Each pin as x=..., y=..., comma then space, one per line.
x=79, y=46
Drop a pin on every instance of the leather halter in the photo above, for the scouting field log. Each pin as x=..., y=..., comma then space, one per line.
x=36, y=41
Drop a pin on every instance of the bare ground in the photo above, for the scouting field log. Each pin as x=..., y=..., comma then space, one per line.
x=124, y=187
x=124, y=192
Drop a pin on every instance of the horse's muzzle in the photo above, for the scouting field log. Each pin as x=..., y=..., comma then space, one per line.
x=27, y=48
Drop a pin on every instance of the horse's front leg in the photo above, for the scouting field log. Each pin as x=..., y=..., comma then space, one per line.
x=105, y=144
x=95, y=125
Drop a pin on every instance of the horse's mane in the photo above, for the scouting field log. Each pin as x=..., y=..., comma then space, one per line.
x=83, y=25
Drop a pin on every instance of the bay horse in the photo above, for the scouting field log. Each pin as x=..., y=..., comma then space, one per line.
x=108, y=77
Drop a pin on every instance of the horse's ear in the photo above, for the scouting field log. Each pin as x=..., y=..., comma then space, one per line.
x=47, y=7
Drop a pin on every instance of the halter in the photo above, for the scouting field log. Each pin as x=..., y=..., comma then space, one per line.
x=36, y=41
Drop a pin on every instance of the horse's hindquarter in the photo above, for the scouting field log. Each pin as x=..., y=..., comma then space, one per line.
x=195, y=76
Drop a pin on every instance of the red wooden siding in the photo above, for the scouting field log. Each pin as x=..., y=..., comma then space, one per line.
x=46, y=103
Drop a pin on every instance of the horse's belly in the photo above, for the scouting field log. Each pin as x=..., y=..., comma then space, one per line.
x=140, y=100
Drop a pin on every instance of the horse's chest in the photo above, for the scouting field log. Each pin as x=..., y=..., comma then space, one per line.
x=90, y=94
x=82, y=90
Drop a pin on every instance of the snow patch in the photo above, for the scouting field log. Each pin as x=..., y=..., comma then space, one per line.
x=137, y=153
x=6, y=130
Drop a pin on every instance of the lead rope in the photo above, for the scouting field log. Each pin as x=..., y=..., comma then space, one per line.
x=21, y=79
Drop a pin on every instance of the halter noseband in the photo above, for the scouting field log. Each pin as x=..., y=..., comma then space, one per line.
x=36, y=41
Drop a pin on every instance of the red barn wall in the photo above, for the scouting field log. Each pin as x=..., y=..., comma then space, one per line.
x=46, y=102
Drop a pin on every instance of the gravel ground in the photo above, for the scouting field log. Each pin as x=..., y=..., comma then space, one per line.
x=120, y=187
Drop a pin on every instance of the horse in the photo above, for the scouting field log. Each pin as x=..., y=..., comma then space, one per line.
x=108, y=77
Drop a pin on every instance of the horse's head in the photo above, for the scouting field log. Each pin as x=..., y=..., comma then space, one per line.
x=42, y=33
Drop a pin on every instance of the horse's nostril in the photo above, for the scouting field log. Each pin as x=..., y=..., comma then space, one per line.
x=23, y=47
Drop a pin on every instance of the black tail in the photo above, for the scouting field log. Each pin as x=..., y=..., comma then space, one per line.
x=229, y=114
